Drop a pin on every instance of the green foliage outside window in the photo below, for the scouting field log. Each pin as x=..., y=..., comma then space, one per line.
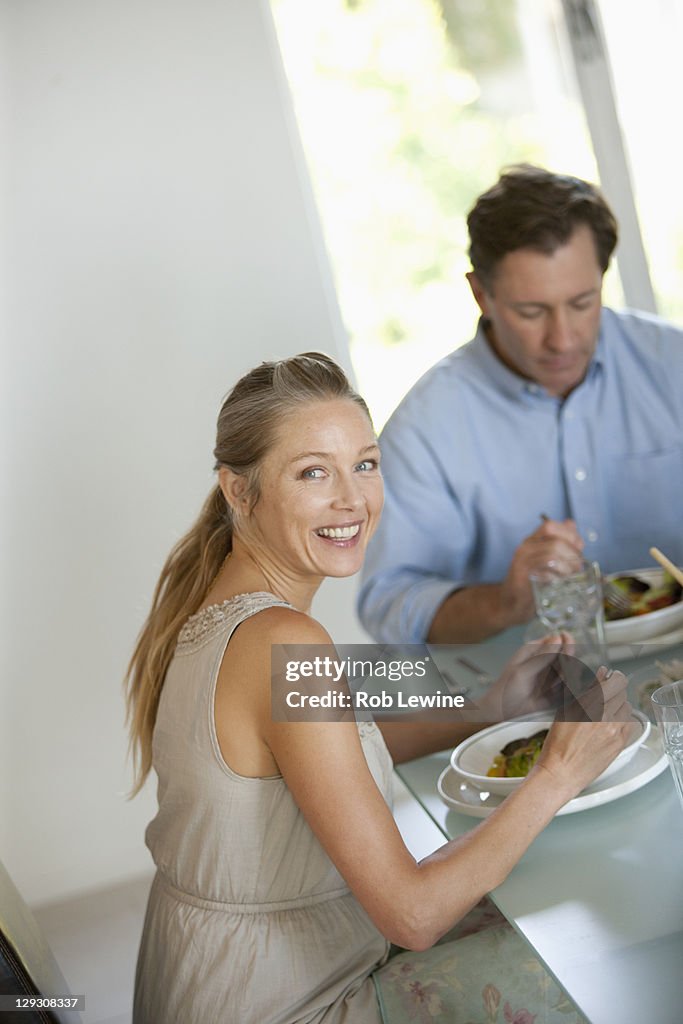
x=408, y=109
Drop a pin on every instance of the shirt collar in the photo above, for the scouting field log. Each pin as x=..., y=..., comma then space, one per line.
x=509, y=382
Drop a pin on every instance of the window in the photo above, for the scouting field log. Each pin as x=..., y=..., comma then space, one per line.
x=407, y=110
x=643, y=45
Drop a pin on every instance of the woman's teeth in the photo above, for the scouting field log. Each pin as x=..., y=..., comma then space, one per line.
x=339, y=532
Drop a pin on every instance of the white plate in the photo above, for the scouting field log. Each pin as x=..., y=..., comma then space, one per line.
x=648, y=648
x=623, y=650
x=648, y=762
x=644, y=627
x=473, y=757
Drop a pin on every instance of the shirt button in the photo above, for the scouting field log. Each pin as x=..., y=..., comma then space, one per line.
x=569, y=415
x=580, y=474
x=592, y=535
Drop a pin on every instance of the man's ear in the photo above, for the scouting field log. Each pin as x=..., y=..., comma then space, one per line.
x=481, y=296
x=234, y=488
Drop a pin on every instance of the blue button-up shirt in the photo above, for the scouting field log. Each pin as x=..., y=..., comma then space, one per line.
x=475, y=454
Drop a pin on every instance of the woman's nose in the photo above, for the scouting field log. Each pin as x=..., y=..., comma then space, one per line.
x=348, y=493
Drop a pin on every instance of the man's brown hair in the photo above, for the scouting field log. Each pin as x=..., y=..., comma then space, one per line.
x=532, y=208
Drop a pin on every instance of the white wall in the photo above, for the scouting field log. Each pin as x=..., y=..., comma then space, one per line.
x=160, y=239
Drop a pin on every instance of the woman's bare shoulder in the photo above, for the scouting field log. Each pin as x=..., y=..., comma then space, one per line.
x=282, y=625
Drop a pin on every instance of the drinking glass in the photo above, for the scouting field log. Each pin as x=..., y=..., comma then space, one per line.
x=668, y=705
x=573, y=602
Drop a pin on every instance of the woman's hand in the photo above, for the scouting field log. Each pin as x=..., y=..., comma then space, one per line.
x=530, y=681
x=576, y=751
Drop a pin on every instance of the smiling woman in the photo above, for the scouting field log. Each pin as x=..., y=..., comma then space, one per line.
x=281, y=876
x=324, y=469
x=251, y=452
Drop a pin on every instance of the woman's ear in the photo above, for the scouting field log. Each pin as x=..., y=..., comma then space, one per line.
x=234, y=488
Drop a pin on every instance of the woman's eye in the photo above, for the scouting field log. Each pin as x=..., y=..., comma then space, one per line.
x=367, y=465
x=313, y=474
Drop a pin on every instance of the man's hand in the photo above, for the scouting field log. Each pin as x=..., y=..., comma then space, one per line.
x=553, y=542
x=480, y=610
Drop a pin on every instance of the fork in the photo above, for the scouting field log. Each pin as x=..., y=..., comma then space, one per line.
x=482, y=676
x=615, y=597
x=454, y=687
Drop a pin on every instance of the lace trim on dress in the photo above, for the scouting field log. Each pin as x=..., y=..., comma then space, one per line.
x=209, y=620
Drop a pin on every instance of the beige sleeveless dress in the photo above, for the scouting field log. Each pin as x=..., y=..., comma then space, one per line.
x=248, y=921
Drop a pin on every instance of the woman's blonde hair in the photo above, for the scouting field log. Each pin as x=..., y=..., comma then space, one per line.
x=248, y=425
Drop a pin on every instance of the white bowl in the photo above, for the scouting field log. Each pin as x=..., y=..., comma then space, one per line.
x=474, y=756
x=650, y=625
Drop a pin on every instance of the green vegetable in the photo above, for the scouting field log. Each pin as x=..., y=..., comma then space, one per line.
x=518, y=757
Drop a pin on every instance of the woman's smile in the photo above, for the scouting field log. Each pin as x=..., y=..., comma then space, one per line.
x=347, y=535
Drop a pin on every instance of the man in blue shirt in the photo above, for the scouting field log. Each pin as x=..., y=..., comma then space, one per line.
x=555, y=434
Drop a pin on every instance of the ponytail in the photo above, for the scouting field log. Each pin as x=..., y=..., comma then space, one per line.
x=187, y=575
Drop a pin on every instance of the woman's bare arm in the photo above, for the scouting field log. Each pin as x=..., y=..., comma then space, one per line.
x=325, y=768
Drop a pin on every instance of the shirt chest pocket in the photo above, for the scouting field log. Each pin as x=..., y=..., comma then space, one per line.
x=643, y=496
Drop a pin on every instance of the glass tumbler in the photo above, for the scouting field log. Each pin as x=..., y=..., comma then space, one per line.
x=573, y=603
x=668, y=706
